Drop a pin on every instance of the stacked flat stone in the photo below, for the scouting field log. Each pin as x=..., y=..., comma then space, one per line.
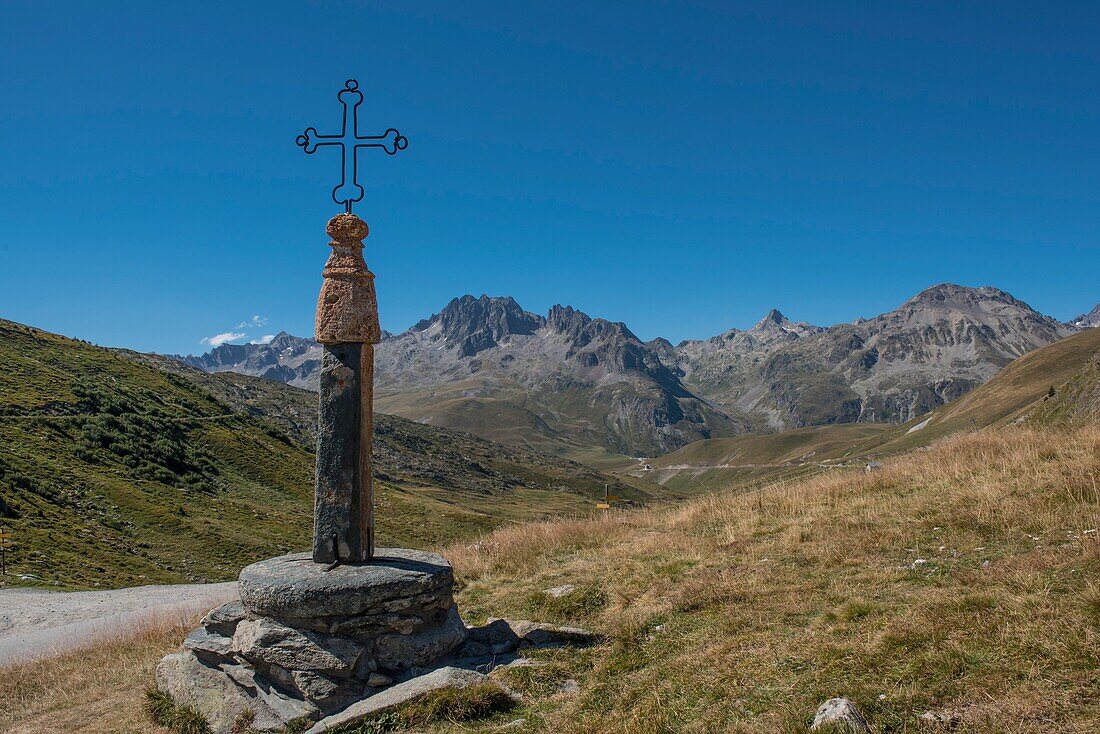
x=306, y=641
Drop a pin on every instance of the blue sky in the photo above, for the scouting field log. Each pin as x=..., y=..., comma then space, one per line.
x=682, y=168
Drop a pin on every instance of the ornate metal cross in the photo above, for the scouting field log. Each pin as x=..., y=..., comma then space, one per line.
x=391, y=141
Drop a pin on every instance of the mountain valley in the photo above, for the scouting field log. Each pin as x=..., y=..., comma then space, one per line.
x=119, y=469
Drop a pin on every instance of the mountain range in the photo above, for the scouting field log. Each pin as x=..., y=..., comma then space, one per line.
x=570, y=383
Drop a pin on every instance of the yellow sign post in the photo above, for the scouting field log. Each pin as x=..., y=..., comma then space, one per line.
x=5, y=543
x=608, y=498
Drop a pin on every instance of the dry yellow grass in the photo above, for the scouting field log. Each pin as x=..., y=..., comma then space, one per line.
x=98, y=689
x=964, y=578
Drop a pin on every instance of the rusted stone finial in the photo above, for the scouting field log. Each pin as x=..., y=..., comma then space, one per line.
x=347, y=309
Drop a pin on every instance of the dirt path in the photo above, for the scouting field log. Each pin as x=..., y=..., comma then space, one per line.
x=35, y=623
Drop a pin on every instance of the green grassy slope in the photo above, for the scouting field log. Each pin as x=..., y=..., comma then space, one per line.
x=1012, y=393
x=1075, y=402
x=595, y=425
x=115, y=472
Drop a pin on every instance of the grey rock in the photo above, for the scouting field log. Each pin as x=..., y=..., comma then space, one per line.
x=327, y=693
x=223, y=620
x=473, y=649
x=539, y=634
x=365, y=665
x=370, y=626
x=209, y=646
x=337, y=532
x=402, y=693
x=403, y=615
x=317, y=624
x=284, y=707
x=212, y=693
x=293, y=586
x=525, y=663
x=840, y=712
x=938, y=720
x=265, y=641
x=569, y=687
x=397, y=652
x=558, y=592
x=493, y=632
x=379, y=680
x=500, y=636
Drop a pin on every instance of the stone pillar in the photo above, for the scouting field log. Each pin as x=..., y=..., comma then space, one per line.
x=347, y=326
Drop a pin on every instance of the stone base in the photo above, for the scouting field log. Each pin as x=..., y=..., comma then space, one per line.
x=307, y=644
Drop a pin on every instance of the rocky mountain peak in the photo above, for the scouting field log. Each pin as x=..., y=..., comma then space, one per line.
x=773, y=319
x=474, y=324
x=582, y=329
x=284, y=340
x=986, y=309
x=1088, y=320
x=567, y=320
x=950, y=295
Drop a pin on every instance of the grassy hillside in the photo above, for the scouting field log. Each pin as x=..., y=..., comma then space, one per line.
x=718, y=462
x=114, y=472
x=1076, y=401
x=508, y=413
x=1008, y=395
x=964, y=579
x=1013, y=392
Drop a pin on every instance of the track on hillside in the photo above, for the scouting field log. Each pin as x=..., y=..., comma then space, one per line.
x=36, y=623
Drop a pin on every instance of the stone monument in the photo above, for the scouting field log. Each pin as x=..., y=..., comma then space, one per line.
x=347, y=629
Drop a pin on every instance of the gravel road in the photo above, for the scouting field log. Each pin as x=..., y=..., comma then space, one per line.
x=36, y=623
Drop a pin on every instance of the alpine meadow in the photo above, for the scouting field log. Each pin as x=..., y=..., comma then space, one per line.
x=575, y=368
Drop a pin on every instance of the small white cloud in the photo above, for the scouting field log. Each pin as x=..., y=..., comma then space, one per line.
x=253, y=323
x=224, y=338
x=265, y=339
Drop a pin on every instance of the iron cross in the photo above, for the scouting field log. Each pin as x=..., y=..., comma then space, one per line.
x=391, y=141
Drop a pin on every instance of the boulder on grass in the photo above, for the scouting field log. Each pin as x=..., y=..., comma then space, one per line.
x=212, y=693
x=840, y=714
x=500, y=636
x=404, y=693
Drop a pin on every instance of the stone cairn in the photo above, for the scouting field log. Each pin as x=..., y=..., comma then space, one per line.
x=346, y=631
